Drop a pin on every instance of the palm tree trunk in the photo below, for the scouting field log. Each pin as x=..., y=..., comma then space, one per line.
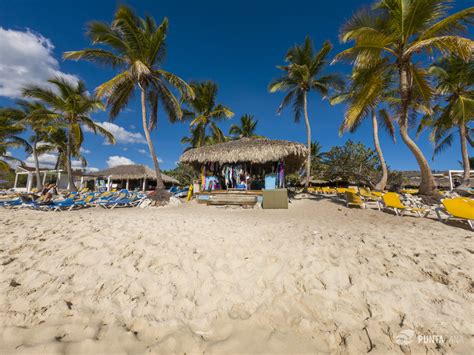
x=39, y=185
x=72, y=186
x=160, y=193
x=308, y=136
x=58, y=162
x=383, y=180
x=469, y=139
x=466, y=182
x=427, y=184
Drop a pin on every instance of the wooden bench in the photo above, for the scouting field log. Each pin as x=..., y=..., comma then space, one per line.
x=232, y=199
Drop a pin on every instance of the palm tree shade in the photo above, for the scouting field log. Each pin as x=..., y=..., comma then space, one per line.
x=71, y=104
x=397, y=31
x=136, y=48
x=301, y=75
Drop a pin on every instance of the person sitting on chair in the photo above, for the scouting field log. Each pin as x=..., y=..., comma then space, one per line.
x=52, y=191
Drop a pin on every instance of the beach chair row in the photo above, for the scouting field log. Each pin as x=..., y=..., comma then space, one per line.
x=454, y=208
x=78, y=200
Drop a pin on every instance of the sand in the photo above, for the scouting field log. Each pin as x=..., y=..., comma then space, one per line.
x=317, y=278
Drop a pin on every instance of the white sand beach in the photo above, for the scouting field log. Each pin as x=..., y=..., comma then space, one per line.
x=317, y=278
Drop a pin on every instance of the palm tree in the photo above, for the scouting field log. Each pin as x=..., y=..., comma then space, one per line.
x=370, y=87
x=247, y=127
x=136, y=46
x=71, y=104
x=197, y=138
x=317, y=156
x=398, y=30
x=38, y=118
x=10, y=130
x=56, y=142
x=316, y=151
x=455, y=84
x=204, y=112
x=301, y=76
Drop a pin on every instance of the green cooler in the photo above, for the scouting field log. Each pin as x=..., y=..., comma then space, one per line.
x=275, y=199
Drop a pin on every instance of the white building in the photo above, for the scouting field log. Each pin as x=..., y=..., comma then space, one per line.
x=59, y=177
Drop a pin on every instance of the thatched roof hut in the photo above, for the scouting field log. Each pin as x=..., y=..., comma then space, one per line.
x=413, y=179
x=132, y=172
x=249, y=150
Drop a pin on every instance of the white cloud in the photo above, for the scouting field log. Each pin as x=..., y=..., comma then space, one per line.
x=121, y=134
x=142, y=151
x=116, y=160
x=48, y=161
x=84, y=150
x=26, y=58
x=125, y=149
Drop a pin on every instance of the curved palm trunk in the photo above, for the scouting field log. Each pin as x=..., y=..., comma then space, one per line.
x=160, y=193
x=468, y=138
x=383, y=180
x=427, y=184
x=308, y=136
x=72, y=186
x=465, y=157
x=39, y=185
x=58, y=162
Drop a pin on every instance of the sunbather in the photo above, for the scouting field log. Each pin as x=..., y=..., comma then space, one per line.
x=50, y=193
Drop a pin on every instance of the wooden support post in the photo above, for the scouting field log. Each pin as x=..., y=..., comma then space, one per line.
x=29, y=182
x=16, y=181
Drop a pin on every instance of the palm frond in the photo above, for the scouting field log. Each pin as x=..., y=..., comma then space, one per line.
x=450, y=25
x=386, y=122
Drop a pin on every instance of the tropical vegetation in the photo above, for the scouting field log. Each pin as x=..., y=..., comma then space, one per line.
x=411, y=64
x=37, y=117
x=136, y=48
x=369, y=88
x=10, y=137
x=454, y=79
x=355, y=163
x=397, y=32
x=301, y=75
x=246, y=129
x=71, y=105
x=203, y=112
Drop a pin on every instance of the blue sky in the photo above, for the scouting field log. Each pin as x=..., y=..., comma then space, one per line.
x=235, y=43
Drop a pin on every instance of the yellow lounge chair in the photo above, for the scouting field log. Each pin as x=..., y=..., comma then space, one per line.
x=352, y=199
x=409, y=191
x=391, y=201
x=366, y=194
x=341, y=190
x=459, y=208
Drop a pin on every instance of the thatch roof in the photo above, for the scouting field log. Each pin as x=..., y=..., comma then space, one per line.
x=249, y=150
x=413, y=179
x=133, y=172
